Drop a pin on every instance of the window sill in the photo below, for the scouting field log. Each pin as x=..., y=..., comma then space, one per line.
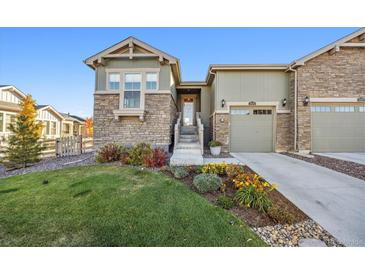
x=129, y=112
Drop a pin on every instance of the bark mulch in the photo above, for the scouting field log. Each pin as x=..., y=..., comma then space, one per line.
x=251, y=216
x=349, y=168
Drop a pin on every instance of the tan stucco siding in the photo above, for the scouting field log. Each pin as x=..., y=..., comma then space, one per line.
x=245, y=86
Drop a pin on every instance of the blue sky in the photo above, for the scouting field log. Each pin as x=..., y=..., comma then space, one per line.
x=47, y=62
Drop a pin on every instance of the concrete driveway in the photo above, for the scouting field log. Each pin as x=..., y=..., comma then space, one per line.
x=352, y=157
x=335, y=200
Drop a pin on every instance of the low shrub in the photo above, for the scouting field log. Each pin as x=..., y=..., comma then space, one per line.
x=179, y=172
x=138, y=154
x=281, y=215
x=157, y=159
x=225, y=202
x=109, y=153
x=253, y=191
x=215, y=168
x=214, y=143
x=207, y=182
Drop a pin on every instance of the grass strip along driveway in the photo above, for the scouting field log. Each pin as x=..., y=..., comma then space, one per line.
x=112, y=206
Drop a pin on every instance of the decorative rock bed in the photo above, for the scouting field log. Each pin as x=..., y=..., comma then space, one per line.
x=350, y=168
x=291, y=235
x=51, y=164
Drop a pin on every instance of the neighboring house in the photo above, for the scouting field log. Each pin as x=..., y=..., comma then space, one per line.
x=56, y=124
x=10, y=97
x=51, y=119
x=72, y=125
x=316, y=103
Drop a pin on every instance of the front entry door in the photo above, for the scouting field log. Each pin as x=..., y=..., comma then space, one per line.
x=188, y=106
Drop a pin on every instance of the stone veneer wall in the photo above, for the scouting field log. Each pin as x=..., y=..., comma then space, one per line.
x=156, y=129
x=284, y=132
x=221, y=129
x=339, y=75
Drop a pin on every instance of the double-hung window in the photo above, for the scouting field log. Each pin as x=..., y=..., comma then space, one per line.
x=1, y=122
x=53, y=128
x=132, y=90
x=10, y=119
x=151, y=81
x=113, y=81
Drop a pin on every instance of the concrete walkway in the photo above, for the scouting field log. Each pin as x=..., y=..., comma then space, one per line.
x=352, y=157
x=334, y=200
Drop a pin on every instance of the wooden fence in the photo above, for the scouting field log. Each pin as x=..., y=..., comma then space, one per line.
x=60, y=147
x=72, y=145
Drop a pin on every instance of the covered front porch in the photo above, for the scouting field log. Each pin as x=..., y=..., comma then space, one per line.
x=188, y=130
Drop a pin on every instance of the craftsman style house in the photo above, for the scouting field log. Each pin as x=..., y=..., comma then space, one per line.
x=316, y=103
x=55, y=123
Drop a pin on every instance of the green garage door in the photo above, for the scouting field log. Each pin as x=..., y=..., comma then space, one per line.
x=338, y=128
x=251, y=129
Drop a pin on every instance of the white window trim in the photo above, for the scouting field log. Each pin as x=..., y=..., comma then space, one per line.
x=141, y=98
x=4, y=129
x=107, y=81
x=157, y=81
x=58, y=128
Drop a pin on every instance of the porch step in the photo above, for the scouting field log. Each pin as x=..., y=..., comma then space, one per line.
x=188, y=138
x=188, y=130
x=187, y=152
x=188, y=145
x=186, y=157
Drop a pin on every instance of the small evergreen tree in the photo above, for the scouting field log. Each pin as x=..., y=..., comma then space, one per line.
x=23, y=144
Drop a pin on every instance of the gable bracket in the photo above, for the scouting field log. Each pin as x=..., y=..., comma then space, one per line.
x=131, y=47
x=101, y=61
x=353, y=45
x=160, y=58
x=335, y=49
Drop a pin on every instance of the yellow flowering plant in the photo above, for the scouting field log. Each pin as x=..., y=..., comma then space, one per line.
x=252, y=191
x=215, y=168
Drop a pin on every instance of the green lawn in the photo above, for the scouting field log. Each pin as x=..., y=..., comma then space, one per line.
x=112, y=206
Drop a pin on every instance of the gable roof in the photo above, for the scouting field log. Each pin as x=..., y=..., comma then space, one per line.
x=338, y=43
x=68, y=116
x=13, y=89
x=45, y=107
x=129, y=44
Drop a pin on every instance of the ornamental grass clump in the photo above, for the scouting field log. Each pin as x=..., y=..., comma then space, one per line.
x=179, y=172
x=207, y=182
x=253, y=192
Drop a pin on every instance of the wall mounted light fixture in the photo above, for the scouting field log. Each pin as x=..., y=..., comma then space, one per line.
x=306, y=100
x=284, y=102
x=223, y=103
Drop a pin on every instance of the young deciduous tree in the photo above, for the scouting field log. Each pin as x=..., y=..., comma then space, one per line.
x=23, y=144
x=89, y=126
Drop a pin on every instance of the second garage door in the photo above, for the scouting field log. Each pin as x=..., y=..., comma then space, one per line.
x=338, y=128
x=251, y=129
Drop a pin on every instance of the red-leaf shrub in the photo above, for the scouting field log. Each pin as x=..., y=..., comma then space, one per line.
x=158, y=158
x=109, y=153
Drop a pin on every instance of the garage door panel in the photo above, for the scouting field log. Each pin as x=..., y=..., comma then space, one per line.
x=252, y=132
x=336, y=131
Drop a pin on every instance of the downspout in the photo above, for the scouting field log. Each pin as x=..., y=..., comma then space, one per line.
x=295, y=104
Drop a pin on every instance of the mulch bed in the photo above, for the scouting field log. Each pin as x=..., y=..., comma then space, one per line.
x=251, y=216
x=349, y=168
